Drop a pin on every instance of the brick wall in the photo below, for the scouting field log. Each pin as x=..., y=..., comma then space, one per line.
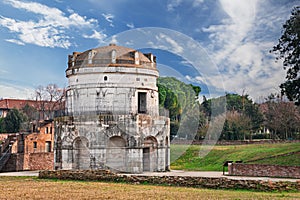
x=30, y=161
x=241, y=169
x=41, y=161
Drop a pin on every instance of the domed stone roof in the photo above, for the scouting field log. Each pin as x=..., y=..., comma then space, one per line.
x=112, y=55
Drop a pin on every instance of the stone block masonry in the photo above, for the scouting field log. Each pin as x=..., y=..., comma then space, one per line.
x=182, y=181
x=241, y=169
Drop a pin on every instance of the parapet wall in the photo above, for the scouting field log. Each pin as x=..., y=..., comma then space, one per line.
x=241, y=169
x=182, y=181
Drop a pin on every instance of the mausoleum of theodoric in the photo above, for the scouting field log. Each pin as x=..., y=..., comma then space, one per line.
x=112, y=116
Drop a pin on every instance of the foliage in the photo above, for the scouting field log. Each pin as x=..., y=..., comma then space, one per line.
x=190, y=160
x=12, y=122
x=179, y=99
x=2, y=129
x=281, y=117
x=242, y=115
x=288, y=49
x=30, y=112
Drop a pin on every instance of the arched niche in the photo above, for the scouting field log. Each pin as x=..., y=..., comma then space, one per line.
x=150, y=154
x=81, y=153
x=115, y=153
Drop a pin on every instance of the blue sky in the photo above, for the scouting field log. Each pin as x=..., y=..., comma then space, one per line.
x=221, y=45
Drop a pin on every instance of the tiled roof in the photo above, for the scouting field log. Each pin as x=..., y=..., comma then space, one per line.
x=7, y=104
x=101, y=56
x=121, y=52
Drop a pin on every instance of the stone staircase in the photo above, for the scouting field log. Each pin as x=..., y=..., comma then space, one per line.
x=5, y=150
x=5, y=157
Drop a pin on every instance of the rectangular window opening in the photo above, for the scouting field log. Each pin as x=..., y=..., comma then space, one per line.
x=142, y=103
x=34, y=145
x=48, y=146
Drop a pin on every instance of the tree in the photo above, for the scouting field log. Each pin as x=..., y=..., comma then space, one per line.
x=281, y=117
x=12, y=122
x=2, y=129
x=288, y=49
x=236, y=126
x=50, y=98
x=242, y=117
x=179, y=99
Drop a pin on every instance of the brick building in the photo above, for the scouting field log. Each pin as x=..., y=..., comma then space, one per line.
x=29, y=151
x=45, y=109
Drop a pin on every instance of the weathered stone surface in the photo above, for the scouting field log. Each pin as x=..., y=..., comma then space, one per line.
x=182, y=181
x=113, y=113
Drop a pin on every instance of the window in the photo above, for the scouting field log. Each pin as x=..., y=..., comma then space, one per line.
x=48, y=146
x=142, y=104
x=34, y=145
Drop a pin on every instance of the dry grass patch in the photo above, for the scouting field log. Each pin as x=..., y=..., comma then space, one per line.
x=33, y=188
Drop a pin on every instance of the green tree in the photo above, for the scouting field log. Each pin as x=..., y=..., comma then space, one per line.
x=242, y=116
x=2, y=129
x=288, y=49
x=12, y=122
x=179, y=99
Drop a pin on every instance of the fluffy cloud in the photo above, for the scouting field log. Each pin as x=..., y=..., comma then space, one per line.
x=166, y=41
x=100, y=36
x=15, y=91
x=50, y=30
x=240, y=47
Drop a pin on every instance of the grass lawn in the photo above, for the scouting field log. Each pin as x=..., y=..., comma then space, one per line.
x=186, y=157
x=34, y=188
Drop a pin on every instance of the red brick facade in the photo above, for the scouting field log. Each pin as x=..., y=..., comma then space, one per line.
x=32, y=151
x=30, y=161
x=241, y=169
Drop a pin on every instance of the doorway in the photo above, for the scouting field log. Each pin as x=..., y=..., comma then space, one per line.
x=146, y=159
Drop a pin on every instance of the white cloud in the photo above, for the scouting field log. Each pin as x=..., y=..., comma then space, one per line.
x=165, y=42
x=14, y=91
x=100, y=36
x=109, y=17
x=50, y=30
x=15, y=41
x=113, y=40
x=130, y=25
x=240, y=46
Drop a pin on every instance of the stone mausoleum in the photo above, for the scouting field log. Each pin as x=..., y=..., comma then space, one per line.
x=112, y=116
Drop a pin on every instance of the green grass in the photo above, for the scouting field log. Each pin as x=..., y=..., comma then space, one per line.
x=186, y=157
